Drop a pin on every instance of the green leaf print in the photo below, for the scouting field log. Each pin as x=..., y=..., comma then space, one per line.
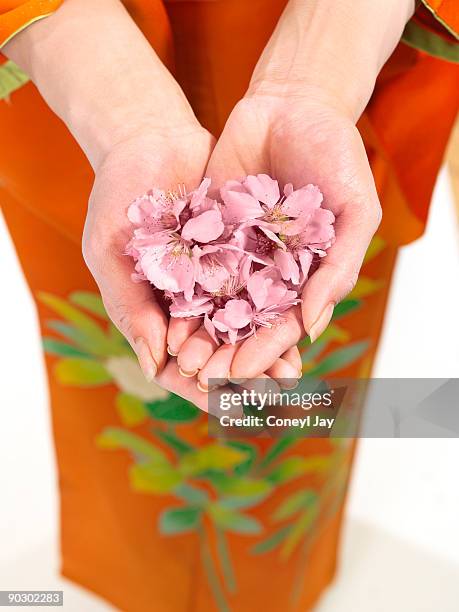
x=339, y=359
x=57, y=347
x=92, y=302
x=192, y=495
x=81, y=372
x=115, y=438
x=294, y=503
x=90, y=330
x=11, y=79
x=211, y=457
x=298, y=530
x=345, y=307
x=241, y=503
x=251, y=453
x=279, y=447
x=179, y=520
x=272, y=541
x=234, y=521
x=293, y=467
x=174, y=409
x=313, y=351
x=72, y=333
x=156, y=477
x=83, y=330
x=243, y=486
x=131, y=409
x=365, y=286
x=376, y=246
x=173, y=441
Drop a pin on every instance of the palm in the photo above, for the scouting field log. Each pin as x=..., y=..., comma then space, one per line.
x=295, y=142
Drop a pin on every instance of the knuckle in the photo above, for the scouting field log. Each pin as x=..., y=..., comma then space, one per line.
x=345, y=279
x=125, y=322
x=121, y=317
x=349, y=281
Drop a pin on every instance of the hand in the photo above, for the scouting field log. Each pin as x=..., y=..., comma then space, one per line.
x=148, y=158
x=301, y=137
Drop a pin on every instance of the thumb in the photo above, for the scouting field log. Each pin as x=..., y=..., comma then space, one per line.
x=132, y=307
x=338, y=271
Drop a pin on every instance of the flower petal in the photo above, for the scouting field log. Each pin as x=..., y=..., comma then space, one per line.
x=204, y=228
x=287, y=266
x=199, y=195
x=266, y=287
x=303, y=201
x=320, y=228
x=240, y=207
x=263, y=188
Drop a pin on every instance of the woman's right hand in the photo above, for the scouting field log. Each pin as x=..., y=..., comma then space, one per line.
x=146, y=159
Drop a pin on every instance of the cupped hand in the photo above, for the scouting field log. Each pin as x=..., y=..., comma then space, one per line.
x=300, y=138
x=148, y=158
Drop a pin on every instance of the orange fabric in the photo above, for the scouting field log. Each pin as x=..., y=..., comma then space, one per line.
x=447, y=11
x=411, y=115
x=109, y=539
x=15, y=14
x=425, y=18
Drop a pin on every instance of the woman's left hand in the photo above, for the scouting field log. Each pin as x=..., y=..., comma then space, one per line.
x=301, y=138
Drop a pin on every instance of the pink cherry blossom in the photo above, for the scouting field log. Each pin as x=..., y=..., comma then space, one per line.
x=204, y=228
x=315, y=236
x=239, y=261
x=165, y=260
x=234, y=317
x=214, y=264
x=200, y=304
x=239, y=318
x=157, y=210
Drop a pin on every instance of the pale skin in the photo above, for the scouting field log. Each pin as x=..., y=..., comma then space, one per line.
x=296, y=122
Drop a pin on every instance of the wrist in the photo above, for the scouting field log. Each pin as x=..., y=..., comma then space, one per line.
x=101, y=125
x=307, y=93
x=333, y=50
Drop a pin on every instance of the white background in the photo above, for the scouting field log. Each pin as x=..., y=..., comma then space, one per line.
x=401, y=542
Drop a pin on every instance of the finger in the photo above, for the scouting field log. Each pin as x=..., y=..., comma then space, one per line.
x=173, y=381
x=217, y=367
x=338, y=270
x=262, y=384
x=195, y=352
x=180, y=330
x=260, y=351
x=284, y=374
x=131, y=306
x=216, y=370
x=293, y=356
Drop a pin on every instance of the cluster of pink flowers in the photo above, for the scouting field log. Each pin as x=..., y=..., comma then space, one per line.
x=239, y=261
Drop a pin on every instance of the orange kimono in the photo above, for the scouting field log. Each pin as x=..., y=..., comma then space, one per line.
x=155, y=514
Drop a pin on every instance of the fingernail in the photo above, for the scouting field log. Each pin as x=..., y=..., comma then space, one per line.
x=146, y=361
x=171, y=352
x=187, y=374
x=290, y=387
x=320, y=325
x=204, y=388
x=237, y=381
